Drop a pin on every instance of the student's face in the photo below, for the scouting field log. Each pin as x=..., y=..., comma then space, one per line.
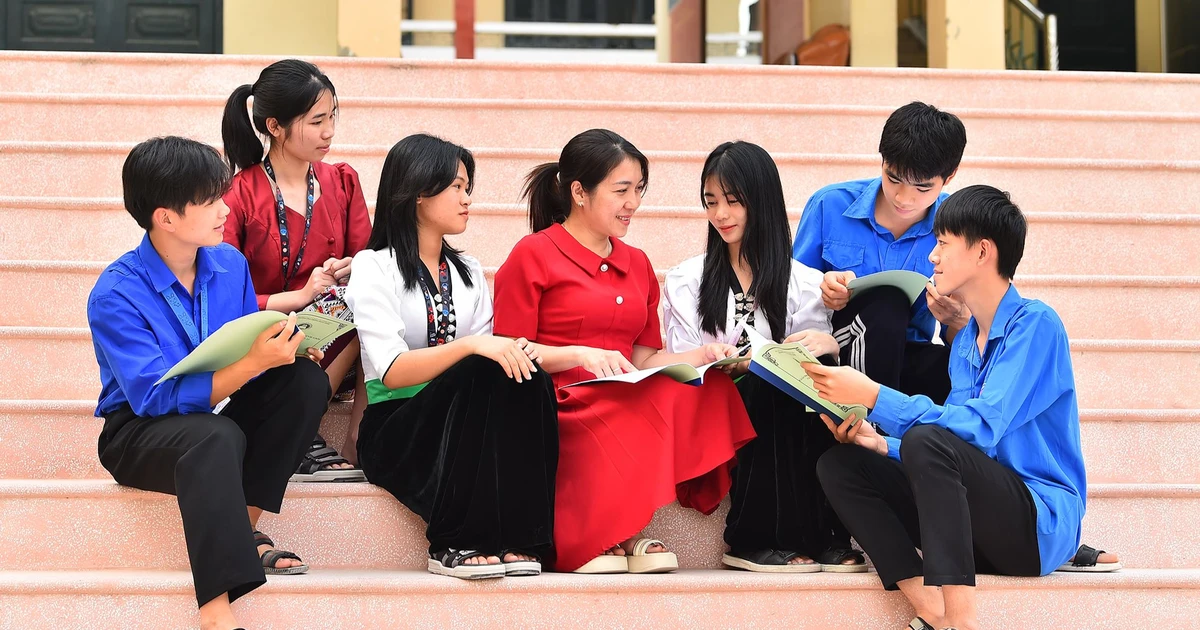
x=201, y=225
x=609, y=208
x=310, y=136
x=954, y=263
x=447, y=211
x=908, y=200
x=725, y=212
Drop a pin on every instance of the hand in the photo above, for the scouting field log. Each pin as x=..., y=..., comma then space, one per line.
x=316, y=355
x=509, y=353
x=339, y=268
x=835, y=291
x=948, y=309
x=718, y=351
x=531, y=350
x=604, y=363
x=276, y=346
x=818, y=343
x=318, y=281
x=856, y=431
x=844, y=385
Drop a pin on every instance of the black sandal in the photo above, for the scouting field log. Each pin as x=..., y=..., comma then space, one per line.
x=451, y=562
x=919, y=624
x=1087, y=560
x=832, y=560
x=767, y=561
x=521, y=567
x=272, y=556
x=317, y=465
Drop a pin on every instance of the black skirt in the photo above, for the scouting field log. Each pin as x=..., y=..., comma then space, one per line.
x=776, y=501
x=474, y=454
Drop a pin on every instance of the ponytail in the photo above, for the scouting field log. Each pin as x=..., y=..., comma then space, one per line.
x=243, y=149
x=546, y=199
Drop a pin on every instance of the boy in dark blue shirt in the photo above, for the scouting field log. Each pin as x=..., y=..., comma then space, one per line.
x=148, y=310
x=993, y=481
x=857, y=228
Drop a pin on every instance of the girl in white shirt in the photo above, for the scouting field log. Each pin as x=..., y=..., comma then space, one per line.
x=461, y=425
x=779, y=520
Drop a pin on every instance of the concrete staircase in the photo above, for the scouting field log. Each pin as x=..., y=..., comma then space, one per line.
x=1103, y=164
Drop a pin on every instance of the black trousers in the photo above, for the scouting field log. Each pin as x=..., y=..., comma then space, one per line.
x=776, y=501
x=474, y=453
x=218, y=464
x=967, y=512
x=871, y=331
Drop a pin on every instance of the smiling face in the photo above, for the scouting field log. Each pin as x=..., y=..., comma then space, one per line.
x=200, y=225
x=309, y=137
x=447, y=211
x=608, y=209
x=907, y=202
x=955, y=263
x=725, y=211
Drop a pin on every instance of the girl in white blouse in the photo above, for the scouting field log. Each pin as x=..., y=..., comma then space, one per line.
x=779, y=520
x=461, y=425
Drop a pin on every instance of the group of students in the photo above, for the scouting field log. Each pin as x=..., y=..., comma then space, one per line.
x=459, y=407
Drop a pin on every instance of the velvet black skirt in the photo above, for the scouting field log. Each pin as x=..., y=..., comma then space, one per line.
x=776, y=501
x=474, y=454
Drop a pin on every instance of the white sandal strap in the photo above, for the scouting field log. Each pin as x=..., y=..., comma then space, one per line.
x=640, y=547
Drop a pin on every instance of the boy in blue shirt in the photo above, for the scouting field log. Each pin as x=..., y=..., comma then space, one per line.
x=857, y=228
x=993, y=481
x=148, y=310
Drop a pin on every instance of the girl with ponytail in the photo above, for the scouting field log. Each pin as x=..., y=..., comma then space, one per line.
x=779, y=520
x=589, y=303
x=298, y=221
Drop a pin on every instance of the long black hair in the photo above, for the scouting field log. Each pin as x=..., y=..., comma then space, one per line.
x=746, y=172
x=285, y=91
x=588, y=158
x=418, y=166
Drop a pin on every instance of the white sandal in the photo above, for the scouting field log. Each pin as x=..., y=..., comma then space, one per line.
x=606, y=563
x=642, y=562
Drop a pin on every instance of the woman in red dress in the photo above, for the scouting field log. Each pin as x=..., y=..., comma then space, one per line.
x=590, y=302
x=298, y=220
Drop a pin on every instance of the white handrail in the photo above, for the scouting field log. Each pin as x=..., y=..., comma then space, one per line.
x=1049, y=24
x=566, y=29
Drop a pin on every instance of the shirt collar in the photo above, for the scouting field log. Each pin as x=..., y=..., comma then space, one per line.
x=588, y=260
x=161, y=276
x=1004, y=312
x=863, y=207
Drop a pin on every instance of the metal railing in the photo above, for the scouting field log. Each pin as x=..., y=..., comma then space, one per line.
x=567, y=29
x=1021, y=54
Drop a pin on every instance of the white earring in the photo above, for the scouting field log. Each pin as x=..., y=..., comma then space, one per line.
x=581, y=204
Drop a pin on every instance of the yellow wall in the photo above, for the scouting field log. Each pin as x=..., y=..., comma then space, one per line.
x=873, y=33
x=369, y=28
x=1149, y=35
x=825, y=12
x=281, y=27
x=966, y=34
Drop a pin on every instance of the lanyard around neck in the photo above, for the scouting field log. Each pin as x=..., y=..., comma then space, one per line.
x=185, y=318
x=281, y=217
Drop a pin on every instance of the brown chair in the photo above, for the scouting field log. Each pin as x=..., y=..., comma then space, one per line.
x=829, y=46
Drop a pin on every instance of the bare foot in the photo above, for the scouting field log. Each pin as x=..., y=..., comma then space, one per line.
x=519, y=557
x=477, y=560
x=627, y=546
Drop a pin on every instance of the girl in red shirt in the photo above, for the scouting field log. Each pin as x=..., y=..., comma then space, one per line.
x=590, y=303
x=298, y=220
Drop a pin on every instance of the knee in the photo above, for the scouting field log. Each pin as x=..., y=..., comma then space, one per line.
x=835, y=465
x=886, y=307
x=309, y=382
x=922, y=444
x=221, y=440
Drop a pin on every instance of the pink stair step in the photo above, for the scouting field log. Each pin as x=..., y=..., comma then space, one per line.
x=1136, y=307
x=1062, y=242
x=355, y=599
x=676, y=126
x=1132, y=187
x=359, y=525
x=48, y=439
x=187, y=75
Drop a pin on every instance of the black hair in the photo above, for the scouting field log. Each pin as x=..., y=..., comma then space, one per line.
x=978, y=212
x=171, y=172
x=418, y=166
x=285, y=91
x=921, y=142
x=588, y=158
x=746, y=172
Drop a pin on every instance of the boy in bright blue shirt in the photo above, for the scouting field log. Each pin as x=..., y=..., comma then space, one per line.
x=991, y=482
x=861, y=227
x=148, y=310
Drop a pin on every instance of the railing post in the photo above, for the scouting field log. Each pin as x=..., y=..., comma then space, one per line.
x=464, y=29
x=1052, y=41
